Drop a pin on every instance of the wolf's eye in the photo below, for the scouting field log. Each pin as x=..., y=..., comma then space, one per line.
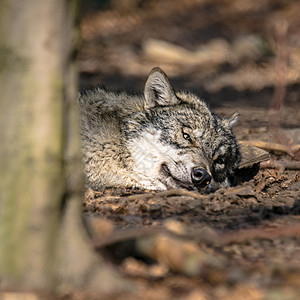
x=219, y=161
x=186, y=136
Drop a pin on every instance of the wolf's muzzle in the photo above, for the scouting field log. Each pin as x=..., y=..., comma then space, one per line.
x=200, y=177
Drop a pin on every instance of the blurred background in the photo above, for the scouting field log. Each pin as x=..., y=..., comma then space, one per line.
x=230, y=52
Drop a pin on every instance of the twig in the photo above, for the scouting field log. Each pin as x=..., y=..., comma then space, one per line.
x=291, y=150
x=280, y=164
x=281, y=66
x=123, y=236
x=213, y=237
x=260, y=233
x=168, y=193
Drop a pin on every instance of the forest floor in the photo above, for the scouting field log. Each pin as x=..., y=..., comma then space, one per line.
x=237, y=243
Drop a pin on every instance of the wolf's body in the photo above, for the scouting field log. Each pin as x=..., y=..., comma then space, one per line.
x=157, y=141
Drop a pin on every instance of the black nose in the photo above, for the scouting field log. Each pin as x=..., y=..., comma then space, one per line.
x=200, y=177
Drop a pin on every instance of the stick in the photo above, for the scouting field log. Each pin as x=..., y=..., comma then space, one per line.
x=281, y=66
x=239, y=236
x=260, y=233
x=280, y=164
x=291, y=149
x=168, y=193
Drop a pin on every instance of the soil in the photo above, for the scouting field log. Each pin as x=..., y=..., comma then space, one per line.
x=239, y=56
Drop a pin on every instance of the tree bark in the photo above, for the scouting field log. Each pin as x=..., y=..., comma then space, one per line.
x=42, y=241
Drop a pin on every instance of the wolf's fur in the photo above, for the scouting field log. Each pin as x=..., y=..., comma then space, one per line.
x=155, y=141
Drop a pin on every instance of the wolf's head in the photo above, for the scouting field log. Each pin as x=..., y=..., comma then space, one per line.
x=176, y=141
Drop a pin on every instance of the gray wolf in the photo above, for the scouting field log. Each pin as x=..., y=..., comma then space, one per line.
x=161, y=140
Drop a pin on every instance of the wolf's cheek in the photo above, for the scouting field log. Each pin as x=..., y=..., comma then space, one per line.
x=213, y=186
x=219, y=174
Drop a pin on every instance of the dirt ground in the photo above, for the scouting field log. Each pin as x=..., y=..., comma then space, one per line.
x=237, y=243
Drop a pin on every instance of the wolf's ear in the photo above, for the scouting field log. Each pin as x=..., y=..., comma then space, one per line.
x=158, y=90
x=233, y=119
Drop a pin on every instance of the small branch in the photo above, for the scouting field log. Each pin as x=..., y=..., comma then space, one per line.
x=280, y=164
x=211, y=237
x=123, y=236
x=168, y=193
x=280, y=73
x=290, y=150
x=260, y=233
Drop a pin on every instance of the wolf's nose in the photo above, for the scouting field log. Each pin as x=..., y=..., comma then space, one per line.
x=200, y=177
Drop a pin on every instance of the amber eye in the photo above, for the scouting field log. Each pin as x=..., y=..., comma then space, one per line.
x=186, y=136
x=219, y=161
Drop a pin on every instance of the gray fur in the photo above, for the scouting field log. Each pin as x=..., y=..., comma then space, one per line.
x=154, y=142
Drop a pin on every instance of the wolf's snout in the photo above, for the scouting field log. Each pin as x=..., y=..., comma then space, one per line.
x=200, y=177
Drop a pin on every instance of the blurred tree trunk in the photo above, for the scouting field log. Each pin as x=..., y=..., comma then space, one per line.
x=42, y=241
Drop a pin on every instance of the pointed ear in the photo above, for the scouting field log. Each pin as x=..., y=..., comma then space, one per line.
x=158, y=90
x=233, y=119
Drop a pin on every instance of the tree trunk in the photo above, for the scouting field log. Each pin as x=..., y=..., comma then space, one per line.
x=42, y=241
